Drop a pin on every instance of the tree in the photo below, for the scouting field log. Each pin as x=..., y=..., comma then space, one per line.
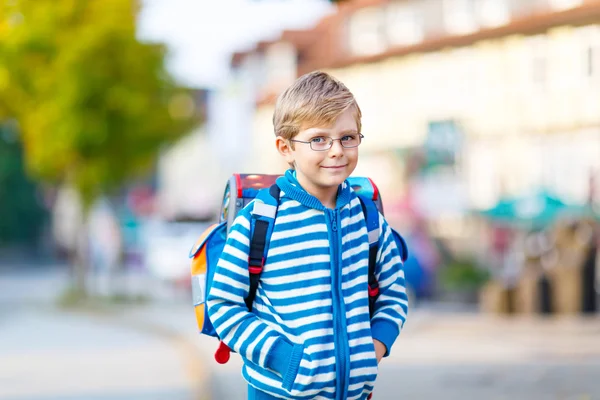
x=93, y=103
x=22, y=215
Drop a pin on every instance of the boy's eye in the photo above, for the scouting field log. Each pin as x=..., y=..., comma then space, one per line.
x=318, y=139
x=348, y=138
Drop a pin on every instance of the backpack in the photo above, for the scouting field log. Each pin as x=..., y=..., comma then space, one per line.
x=242, y=189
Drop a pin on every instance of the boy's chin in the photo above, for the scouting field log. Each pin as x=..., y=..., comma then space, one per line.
x=334, y=180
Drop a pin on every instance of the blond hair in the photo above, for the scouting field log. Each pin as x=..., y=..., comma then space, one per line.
x=314, y=99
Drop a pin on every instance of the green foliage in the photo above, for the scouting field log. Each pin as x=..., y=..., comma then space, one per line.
x=93, y=103
x=463, y=274
x=21, y=214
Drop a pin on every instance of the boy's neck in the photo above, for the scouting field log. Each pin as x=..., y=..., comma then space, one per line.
x=327, y=196
x=329, y=200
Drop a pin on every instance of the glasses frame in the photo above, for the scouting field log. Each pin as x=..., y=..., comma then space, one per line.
x=360, y=138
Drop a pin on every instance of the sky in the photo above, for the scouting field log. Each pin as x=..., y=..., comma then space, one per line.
x=202, y=34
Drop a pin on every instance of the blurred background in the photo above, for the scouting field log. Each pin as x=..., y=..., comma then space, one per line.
x=121, y=121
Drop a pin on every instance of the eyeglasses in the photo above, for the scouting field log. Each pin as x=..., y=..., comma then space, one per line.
x=322, y=143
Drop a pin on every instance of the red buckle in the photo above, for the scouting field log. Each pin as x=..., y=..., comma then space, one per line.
x=373, y=291
x=256, y=269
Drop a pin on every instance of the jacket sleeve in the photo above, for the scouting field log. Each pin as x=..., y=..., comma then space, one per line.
x=391, y=307
x=238, y=328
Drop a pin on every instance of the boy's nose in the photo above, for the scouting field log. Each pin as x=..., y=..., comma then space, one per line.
x=336, y=148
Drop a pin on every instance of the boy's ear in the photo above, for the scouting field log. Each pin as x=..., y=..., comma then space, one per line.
x=283, y=146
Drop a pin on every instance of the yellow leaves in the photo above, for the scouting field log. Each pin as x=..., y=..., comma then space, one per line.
x=182, y=106
x=94, y=103
x=4, y=78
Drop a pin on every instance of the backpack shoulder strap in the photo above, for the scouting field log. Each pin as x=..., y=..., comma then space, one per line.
x=402, y=246
x=371, y=214
x=261, y=226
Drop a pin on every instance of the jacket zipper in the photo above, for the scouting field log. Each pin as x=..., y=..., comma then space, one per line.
x=340, y=334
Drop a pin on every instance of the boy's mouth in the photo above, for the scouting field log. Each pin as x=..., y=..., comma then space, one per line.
x=335, y=167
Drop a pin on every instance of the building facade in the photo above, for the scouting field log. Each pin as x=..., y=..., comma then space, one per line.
x=464, y=101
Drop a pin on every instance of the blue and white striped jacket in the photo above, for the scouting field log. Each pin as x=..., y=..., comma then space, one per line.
x=309, y=335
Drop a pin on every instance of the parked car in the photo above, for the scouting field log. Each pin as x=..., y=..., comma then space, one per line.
x=166, y=246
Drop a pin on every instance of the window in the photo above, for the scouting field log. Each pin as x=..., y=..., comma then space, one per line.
x=591, y=54
x=589, y=36
x=525, y=8
x=539, y=60
x=280, y=59
x=539, y=69
x=560, y=5
x=459, y=16
x=366, y=32
x=404, y=24
x=493, y=13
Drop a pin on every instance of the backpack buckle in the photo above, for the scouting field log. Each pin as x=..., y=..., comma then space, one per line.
x=374, y=290
x=255, y=267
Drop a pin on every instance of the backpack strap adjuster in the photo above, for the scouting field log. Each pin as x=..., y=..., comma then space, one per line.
x=255, y=268
x=374, y=290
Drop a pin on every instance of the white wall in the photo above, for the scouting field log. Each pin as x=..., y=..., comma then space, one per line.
x=529, y=106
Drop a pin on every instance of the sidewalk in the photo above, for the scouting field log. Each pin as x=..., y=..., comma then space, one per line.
x=48, y=353
x=479, y=338
x=174, y=322
x=100, y=351
x=430, y=340
x=443, y=352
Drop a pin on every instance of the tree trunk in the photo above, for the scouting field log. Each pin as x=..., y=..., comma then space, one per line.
x=81, y=259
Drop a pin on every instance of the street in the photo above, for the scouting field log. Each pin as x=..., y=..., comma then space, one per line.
x=153, y=352
x=454, y=355
x=477, y=357
x=465, y=356
x=49, y=354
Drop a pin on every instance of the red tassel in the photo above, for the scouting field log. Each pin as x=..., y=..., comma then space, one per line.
x=222, y=354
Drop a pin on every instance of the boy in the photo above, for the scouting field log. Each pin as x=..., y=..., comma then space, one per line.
x=309, y=335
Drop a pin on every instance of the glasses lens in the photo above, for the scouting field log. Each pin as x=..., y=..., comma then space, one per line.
x=350, y=141
x=320, y=145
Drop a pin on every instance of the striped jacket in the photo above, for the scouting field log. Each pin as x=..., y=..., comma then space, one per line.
x=309, y=335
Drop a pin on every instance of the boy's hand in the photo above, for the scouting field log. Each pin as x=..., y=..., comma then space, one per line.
x=380, y=349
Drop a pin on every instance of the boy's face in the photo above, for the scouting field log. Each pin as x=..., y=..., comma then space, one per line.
x=319, y=170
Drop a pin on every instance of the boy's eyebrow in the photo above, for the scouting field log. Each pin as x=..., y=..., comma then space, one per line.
x=322, y=132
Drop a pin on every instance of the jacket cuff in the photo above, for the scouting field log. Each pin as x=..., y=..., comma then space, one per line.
x=293, y=367
x=284, y=358
x=386, y=332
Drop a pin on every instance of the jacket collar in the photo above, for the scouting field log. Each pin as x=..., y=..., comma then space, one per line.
x=292, y=188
